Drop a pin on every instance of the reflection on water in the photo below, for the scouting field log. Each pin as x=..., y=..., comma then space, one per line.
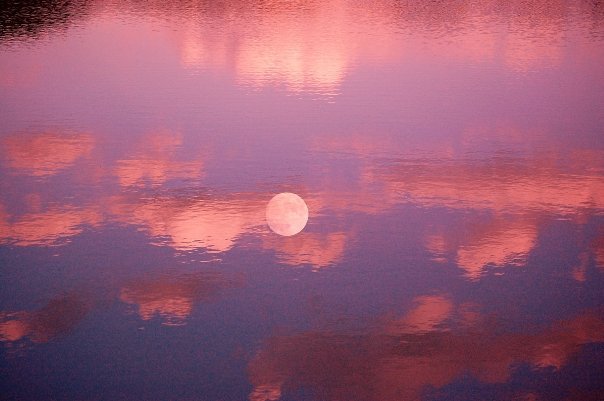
x=310, y=52
x=35, y=18
x=315, y=249
x=187, y=222
x=502, y=185
x=450, y=156
x=57, y=318
x=153, y=163
x=49, y=227
x=598, y=250
x=172, y=299
x=387, y=364
x=44, y=154
x=498, y=243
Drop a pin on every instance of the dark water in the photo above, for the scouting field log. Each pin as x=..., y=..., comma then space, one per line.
x=450, y=154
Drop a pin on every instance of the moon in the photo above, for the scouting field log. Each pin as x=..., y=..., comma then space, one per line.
x=286, y=214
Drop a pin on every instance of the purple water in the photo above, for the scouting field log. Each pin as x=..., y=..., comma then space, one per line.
x=451, y=156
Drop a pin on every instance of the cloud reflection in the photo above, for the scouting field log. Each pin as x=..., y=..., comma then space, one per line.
x=153, y=163
x=47, y=228
x=507, y=243
x=313, y=47
x=312, y=51
x=385, y=364
x=55, y=319
x=192, y=222
x=509, y=192
x=598, y=249
x=533, y=47
x=215, y=223
x=171, y=298
x=319, y=250
x=427, y=314
x=308, y=53
x=45, y=154
x=500, y=185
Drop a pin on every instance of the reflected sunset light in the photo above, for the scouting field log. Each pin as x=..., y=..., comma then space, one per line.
x=154, y=163
x=57, y=318
x=45, y=154
x=271, y=200
x=191, y=223
x=172, y=300
x=315, y=249
x=401, y=367
x=48, y=228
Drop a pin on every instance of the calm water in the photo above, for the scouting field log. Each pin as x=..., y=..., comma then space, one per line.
x=451, y=155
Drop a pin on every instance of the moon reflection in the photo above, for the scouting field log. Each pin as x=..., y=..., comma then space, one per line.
x=286, y=214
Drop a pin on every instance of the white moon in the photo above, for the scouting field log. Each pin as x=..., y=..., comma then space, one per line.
x=286, y=214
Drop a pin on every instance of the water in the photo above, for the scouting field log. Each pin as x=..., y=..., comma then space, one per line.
x=450, y=155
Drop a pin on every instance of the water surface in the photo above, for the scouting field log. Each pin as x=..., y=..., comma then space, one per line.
x=450, y=155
